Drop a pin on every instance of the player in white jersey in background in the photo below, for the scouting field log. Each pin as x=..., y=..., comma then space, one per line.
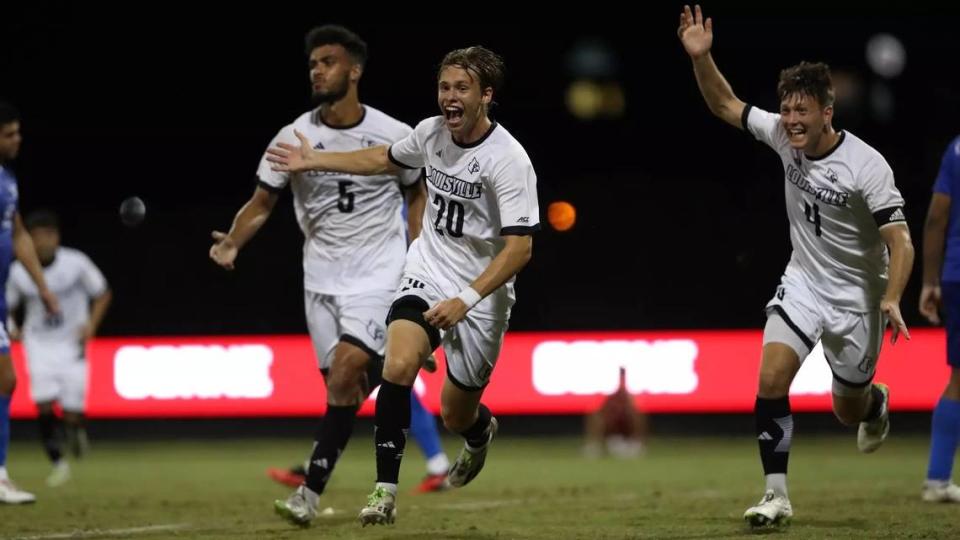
x=840, y=287
x=55, y=345
x=457, y=287
x=354, y=247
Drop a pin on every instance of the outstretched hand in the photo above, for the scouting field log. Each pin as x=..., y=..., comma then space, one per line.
x=695, y=33
x=289, y=158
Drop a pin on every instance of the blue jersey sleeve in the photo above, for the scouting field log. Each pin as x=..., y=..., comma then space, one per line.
x=949, y=174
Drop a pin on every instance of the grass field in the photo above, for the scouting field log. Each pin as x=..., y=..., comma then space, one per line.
x=532, y=488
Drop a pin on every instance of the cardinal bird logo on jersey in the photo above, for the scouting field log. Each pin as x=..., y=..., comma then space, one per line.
x=375, y=330
x=832, y=176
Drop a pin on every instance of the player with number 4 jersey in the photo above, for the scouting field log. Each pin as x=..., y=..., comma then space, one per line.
x=852, y=256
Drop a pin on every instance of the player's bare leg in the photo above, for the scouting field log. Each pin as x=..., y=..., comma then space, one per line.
x=464, y=414
x=866, y=406
x=408, y=345
x=774, y=433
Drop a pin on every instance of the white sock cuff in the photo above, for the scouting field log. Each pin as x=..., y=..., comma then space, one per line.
x=778, y=483
x=438, y=464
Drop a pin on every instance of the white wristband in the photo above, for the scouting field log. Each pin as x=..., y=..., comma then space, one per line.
x=469, y=296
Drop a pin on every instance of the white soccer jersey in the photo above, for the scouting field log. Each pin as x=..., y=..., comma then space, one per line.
x=836, y=205
x=354, y=232
x=477, y=194
x=74, y=279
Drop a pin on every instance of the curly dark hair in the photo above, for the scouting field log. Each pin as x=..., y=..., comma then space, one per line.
x=333, y=34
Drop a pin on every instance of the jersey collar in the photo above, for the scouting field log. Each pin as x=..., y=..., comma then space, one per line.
x=843, y=135
x=318, y=119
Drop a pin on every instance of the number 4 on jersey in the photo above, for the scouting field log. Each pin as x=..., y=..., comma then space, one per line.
x=813, y=216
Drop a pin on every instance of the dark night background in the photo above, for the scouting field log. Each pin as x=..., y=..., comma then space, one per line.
x=680, y=218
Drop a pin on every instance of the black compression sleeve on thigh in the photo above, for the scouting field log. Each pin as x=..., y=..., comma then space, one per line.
x=392, y=425
x=774, y=433
x=411, y=308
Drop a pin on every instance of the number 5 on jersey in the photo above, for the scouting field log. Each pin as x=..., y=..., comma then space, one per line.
x=345, y=202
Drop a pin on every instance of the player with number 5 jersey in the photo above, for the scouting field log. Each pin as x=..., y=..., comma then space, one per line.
x=355, y=242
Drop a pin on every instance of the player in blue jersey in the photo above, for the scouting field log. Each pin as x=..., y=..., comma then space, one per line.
x=14, y=241
x=941, y=288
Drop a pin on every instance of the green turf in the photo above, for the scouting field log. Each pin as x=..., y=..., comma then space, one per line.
x=531, y=488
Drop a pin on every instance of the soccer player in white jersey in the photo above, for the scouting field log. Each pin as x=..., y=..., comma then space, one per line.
x=457, y=287
x=852, y=256
x=354, y=247
x=55, y=345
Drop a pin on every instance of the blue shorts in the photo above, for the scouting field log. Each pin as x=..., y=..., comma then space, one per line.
x=951, y=305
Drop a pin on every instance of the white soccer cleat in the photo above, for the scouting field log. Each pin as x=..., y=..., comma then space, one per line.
x=946, y=492
x=11, y=494
x=59, y=475
x=381, y=508
x=297, y=509
x=772, y=510
x=471, y=460
x=871, y=435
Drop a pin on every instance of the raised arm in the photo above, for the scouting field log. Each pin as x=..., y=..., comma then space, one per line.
x=369, y=161
x=697, y=38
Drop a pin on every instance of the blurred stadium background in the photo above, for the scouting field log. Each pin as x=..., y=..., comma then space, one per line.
x=203, y=378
